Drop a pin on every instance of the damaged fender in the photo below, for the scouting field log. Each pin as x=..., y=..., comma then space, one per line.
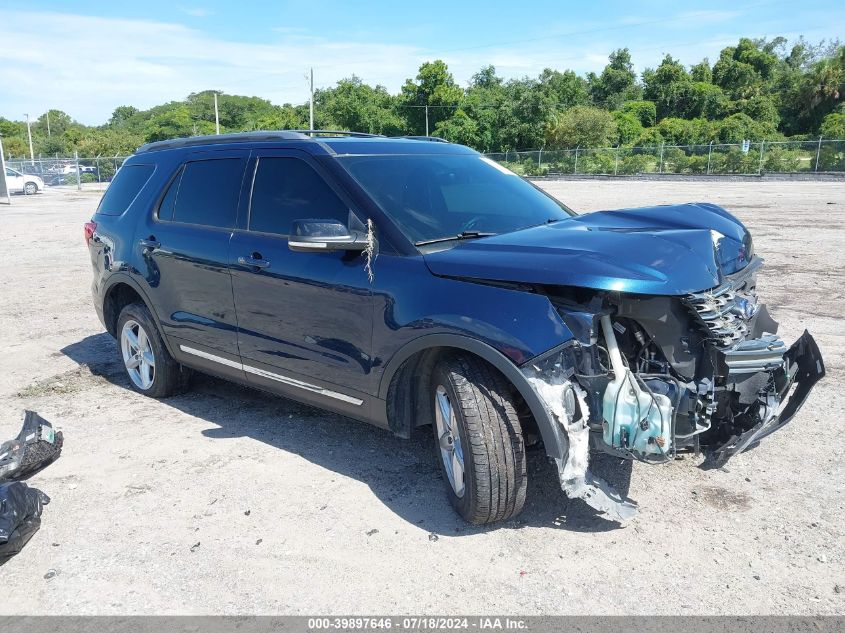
x=560, y=397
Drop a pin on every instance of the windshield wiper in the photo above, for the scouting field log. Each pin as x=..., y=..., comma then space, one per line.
x=465, y=235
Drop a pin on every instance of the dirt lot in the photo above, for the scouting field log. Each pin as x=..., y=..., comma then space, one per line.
x=227, y=500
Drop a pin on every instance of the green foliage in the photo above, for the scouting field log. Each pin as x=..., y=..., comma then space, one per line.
x=740, y=126
x=779, y=159
x=628, y=127
x=674, y=131
x=581, y=126
x=435, y=87
x=833, y=125
x=757, y=89
x=353, y=105
x=702, y=72
x=617, y=82
x=636, y=164
x=761, y=108
x=645, y=111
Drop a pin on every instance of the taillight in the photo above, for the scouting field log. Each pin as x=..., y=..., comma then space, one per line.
x=90, y=227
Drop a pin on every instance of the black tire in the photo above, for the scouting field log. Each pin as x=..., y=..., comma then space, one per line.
x=494, y=467
x=30, y=188
x=168, y=377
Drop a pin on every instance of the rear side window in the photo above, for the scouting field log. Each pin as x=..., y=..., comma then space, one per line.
x=125, y=187
x=288, y=189
x=207, y=193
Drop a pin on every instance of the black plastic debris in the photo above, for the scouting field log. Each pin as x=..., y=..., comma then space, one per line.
x=20, y=516
x=36, y=446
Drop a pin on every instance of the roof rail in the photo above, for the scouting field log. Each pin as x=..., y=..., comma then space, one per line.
x=337, y=133
x=434, y=139
x=214, y=139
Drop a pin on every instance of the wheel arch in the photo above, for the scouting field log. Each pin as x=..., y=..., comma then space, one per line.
x=412, y=366
x=120, y=291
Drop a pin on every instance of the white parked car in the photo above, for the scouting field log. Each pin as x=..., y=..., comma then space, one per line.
x=26, y=183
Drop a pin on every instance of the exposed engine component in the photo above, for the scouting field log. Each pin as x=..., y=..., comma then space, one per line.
x=567, y=403
x=704, y=371
x=635, y=418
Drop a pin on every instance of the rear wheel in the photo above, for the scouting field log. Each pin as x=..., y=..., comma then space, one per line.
x=150, y=367
x=478, y=440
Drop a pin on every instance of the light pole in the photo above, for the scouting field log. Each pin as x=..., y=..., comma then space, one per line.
x=311, y=104
x=216, y=114
x=29, y=133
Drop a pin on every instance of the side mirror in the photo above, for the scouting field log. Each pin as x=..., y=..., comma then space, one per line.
x=316, y=236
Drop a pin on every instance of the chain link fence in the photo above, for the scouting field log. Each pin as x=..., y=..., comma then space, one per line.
x=783, y=157
x=68, y=172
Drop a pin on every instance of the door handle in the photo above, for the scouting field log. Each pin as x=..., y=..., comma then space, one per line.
x=253, y=262
x=150, y=243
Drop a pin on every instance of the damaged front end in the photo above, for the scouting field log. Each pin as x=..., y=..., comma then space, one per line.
x=646, y=377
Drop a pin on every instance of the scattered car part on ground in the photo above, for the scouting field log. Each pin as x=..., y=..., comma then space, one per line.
x=476, y=303
x=36, y=446
x=20, y=516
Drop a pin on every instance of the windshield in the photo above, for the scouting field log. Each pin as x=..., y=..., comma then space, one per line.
x=434, y=196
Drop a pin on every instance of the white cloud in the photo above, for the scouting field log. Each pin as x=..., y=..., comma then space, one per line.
x=196, y=12
x=87, y=66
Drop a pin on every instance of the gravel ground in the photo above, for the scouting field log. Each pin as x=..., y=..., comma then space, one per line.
x=227, y=500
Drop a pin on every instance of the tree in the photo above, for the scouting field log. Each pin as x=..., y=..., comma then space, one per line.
x=675, y=131
x=353, y=105
x=833, y=126
x=617, y=82
x=459, y=128
x=628, y=126
x=644, y=111
x=59, y=122
x=669, y=87
x=122, y=114
x=435, y=87
x=702, y=72
x=582, y=126
x=738, y=127
x=563, y=89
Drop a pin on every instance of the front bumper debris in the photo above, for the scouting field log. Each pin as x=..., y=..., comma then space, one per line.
x=803, y=367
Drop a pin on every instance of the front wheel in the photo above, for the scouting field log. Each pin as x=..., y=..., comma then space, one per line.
x=478, y=440
x=30, y=188
x=150, y=367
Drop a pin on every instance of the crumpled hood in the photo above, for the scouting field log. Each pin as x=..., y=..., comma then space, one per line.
x=663, y=250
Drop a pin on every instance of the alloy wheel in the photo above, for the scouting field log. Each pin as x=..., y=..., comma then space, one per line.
x=138, y=356
x=449, y=440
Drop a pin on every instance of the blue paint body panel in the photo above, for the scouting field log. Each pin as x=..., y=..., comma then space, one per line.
x=667, y=250
x=316, y=318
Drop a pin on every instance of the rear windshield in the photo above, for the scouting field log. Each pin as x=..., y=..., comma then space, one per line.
x=125, y=187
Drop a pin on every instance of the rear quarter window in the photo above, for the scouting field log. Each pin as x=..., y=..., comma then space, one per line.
x=125, y=187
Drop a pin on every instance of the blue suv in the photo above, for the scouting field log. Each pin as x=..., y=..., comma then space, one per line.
x=408, y=282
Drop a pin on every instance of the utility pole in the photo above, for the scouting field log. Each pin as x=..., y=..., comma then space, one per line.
x=816, y=168
x=216, y=114
x=311, y=103
x=48, y=123
x=3, y=186
x=29, y=132
x=426, y=120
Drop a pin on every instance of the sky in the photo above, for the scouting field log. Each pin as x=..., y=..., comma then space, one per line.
x=87, y=58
